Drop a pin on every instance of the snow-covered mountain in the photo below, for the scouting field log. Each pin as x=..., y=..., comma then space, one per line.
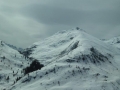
x=14, y=47
x=67, y=42
x=11, y=65
x=74, y=60
x=114, y=41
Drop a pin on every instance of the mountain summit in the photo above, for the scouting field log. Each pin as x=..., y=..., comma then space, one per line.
x=68, y=42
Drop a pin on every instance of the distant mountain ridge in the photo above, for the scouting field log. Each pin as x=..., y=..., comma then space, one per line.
x=14, y=47
x=114, y=41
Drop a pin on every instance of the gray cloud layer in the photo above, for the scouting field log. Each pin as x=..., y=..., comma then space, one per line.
x=23, y=22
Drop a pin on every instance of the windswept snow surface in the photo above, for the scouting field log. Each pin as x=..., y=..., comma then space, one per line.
x=74, y=60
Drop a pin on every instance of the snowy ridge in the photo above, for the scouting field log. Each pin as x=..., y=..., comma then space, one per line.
x=114, y=41
x=74, y=60
x=14, y=47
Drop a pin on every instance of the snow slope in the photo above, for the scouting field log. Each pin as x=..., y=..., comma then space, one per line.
x=11, y=64
x=74, y=60
x=114, y=41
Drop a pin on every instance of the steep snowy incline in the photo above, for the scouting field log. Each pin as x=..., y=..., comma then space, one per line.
x=74, y=60
x=66, y=41
x=11, y=64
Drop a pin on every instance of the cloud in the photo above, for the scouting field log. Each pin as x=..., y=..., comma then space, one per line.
x=51, y=16
x=25, y=22
x=19, y=30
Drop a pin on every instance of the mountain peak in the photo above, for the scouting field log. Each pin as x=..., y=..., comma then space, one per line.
x=70, y=30
x=73, y=41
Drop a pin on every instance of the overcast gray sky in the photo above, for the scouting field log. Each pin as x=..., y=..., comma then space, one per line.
x=23, y=22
